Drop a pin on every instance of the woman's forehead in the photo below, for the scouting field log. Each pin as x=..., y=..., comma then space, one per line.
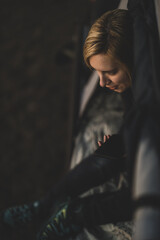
x=102, y=62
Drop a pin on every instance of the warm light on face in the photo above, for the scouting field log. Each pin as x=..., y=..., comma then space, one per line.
x=111, y=74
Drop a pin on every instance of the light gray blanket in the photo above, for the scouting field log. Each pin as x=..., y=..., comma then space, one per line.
x=104, y=116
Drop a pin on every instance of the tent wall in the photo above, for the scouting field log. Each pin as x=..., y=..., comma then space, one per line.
x=143, y=124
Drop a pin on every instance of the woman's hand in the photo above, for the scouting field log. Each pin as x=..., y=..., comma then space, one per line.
x=105, y=138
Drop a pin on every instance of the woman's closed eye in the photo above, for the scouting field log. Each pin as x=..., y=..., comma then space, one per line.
x=113, y=72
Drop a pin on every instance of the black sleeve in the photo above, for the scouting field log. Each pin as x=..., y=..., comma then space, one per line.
x=96, y=169
x=113, y=148
x=103, y=208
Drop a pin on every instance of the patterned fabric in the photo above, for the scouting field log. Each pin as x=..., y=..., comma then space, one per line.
x=61, y=225
x=104, y=116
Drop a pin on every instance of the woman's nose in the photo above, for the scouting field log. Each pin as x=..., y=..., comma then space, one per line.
x=104, y=82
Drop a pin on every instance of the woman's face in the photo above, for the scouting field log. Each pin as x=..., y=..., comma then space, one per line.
x=111, y=74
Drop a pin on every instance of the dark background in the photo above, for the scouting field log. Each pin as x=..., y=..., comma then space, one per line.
x=35, y=95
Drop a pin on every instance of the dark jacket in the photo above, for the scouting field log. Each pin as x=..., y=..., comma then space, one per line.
x=110, y=159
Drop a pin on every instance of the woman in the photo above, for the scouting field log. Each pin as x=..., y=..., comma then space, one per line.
x=108, y=50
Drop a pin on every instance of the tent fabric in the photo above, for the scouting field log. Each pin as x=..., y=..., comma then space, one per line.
x=142, y=129
x=146, y=76
x=157, y=11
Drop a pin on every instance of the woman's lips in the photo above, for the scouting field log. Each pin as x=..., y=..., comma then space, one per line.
x=113, y=88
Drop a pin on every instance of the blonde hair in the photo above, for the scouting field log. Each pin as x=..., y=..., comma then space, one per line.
x=111, y=34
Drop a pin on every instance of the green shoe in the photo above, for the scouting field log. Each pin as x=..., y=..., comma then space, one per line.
x=66, y=222
x=23, y=215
